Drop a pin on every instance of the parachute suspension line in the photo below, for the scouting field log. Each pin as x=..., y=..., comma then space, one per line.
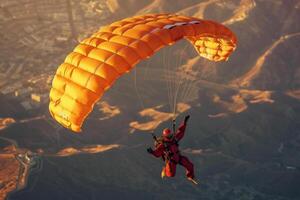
x=181, y=76
x=176, y=82
x=168, y=76
x=136, y=89
x=188, y=82
x=190, y=89
x=192, y=84
x=165, y=75
x=189, y=85
x=146, y=70
x=172, y=71
x=144, y=77
x=174, y=126
x=175, y=76
x=172, y=76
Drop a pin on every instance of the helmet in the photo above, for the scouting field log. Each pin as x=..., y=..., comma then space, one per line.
x=166, y=132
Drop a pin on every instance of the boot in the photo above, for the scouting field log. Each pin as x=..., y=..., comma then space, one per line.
x=192, y=180
x=163, y=172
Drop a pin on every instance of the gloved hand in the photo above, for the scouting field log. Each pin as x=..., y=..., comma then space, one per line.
x=149, y=150
x=186, y=119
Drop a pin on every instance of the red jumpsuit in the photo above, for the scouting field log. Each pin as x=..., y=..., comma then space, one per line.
x=169, y=151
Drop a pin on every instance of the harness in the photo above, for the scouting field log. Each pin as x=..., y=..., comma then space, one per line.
x=168, y=154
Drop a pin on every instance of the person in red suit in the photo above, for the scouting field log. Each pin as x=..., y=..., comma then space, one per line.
x=166, y=147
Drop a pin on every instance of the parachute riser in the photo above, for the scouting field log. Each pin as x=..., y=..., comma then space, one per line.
x=174, y=126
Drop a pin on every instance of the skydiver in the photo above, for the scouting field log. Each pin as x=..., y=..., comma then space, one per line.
x=166, y=147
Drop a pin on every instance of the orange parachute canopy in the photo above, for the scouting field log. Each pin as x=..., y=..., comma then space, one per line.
x=98, y=61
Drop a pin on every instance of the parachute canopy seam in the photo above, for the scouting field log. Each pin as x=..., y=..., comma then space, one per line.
x=67, y=95
x=113, y=42
x=82, y=42
x=95, y=60
x=76, y=84
x=90, y=73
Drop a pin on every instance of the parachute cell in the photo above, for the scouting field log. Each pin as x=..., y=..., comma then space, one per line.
x=98, y=61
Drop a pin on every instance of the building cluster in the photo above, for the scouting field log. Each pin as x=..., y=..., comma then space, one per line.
x=31, y=93
x=36, y=35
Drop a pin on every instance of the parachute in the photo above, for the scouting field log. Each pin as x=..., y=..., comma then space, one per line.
x=98, y=61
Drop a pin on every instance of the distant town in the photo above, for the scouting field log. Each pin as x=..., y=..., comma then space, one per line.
x=36, y=36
